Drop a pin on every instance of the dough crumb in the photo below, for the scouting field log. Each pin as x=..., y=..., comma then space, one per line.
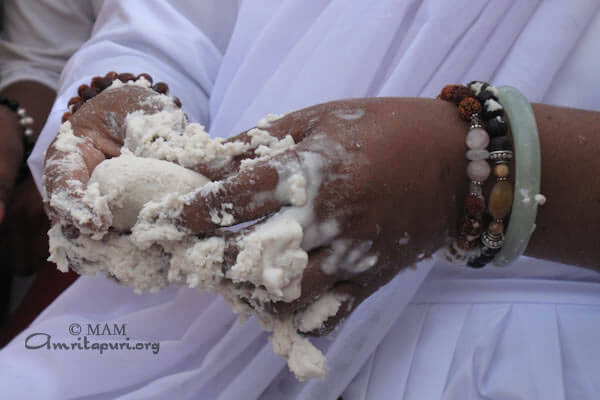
x=540, y=199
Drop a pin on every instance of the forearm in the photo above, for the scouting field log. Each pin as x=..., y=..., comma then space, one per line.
x=35, y=97
x=568, y=225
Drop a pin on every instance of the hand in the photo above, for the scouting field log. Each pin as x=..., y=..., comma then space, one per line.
x=384, y=179
x=97, y=133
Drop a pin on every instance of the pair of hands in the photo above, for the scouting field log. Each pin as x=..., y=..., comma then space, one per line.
x=389, y=182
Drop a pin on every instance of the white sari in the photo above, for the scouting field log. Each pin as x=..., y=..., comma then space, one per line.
x=529, y=331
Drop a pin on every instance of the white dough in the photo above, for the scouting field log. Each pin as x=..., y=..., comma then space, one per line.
x=129, y=182
x=143, y=191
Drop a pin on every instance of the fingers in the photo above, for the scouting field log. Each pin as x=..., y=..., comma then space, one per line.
x=346, y=295
x=66, y=176
x=95, y=132
x=269, y=131
x=335, y=281
x=253, y=192
x=314, y=282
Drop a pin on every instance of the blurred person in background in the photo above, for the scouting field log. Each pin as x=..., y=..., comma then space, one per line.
x=37, y=38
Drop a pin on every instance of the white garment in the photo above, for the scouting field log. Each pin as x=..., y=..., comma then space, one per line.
x=525, y=332
x=38, y=37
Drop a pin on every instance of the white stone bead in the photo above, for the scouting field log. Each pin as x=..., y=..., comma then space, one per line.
x=26, y=121
x=477, y=139
x=478, y=170
x=475, y=155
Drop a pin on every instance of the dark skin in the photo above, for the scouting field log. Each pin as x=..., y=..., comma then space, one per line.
x=23, y=223
x=400, y=167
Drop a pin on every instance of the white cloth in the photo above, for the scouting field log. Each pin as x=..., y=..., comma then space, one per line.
x=38, y=37
x=526, y=332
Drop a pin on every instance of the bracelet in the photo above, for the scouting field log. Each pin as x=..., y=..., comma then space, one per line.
x=528, y=170
x=476, y=246
x=26, y=122
x=99, y=83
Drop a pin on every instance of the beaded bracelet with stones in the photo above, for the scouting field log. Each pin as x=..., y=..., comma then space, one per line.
x=100, y=83
x=500, y=155
x=478, y=104
x=26, y=122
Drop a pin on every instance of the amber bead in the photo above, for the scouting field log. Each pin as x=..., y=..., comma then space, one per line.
x=101, y=83
x=86, y=92
x=145, y=76
x=66, y=117
x=501, y=198
x=74, y=100
x=467, y=107
x=112, y=75
x=82, y=89
x=474, y=205
x=501, y=171
x=161, y=87
x=496, y=227
x=94, y=79
x=126, y=77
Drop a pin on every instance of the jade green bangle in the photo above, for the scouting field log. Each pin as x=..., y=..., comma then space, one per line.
x=528, y=160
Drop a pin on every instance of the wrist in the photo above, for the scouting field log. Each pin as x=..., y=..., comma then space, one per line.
x=449, y=151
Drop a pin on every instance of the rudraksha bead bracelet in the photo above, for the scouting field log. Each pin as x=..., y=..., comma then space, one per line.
x=100, y=83
x=481, y=230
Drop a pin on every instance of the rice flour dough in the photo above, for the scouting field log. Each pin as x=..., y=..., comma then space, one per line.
x=130, y=182
x=148, y=182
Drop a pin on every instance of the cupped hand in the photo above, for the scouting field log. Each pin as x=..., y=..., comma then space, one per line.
x=374, y=183
x=95, y=132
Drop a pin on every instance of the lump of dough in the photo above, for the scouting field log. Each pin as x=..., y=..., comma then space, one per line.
x=129, y=182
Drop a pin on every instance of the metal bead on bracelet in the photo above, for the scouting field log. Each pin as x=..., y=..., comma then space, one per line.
x=500, y=155
x=478, y=103
x=26, y=122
